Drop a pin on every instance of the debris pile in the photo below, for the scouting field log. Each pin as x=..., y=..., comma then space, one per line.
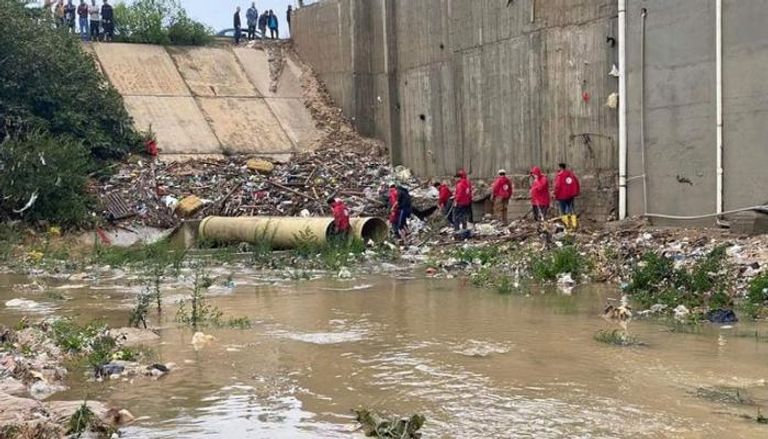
x=159, y=194
x=339, y=130
x=344, y=164
x=31, y=370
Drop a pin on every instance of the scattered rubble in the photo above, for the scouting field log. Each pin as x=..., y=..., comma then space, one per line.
x=375, y=426
x=32, y=359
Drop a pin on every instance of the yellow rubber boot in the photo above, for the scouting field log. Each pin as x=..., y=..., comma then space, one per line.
x=566, y=221
x=574, y=222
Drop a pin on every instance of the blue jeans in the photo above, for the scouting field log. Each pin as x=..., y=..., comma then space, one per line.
x=84, y=28
x=461, y=216
x=402, y=219
x=566, y=206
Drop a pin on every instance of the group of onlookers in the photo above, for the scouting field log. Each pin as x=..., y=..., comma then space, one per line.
x=267, y=20
x=94, y=22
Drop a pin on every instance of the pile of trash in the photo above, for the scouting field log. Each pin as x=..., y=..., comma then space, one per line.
x=31, y=370
x=161, y=194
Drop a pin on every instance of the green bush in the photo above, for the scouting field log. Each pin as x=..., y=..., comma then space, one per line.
x=756, y=302
x=184, y=31
x=566, y=259
x=58, y=118
x=50, y=169
x=656, y=280
x=48, y=83
x=73, y=338
x=158, y=22
x=481, y=254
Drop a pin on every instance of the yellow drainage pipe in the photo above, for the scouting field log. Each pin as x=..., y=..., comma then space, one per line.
x=283, y=232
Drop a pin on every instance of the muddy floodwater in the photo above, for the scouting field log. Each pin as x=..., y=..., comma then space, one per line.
x=477, y=364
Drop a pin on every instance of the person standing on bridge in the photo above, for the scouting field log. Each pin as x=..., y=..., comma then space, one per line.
x=108, y=21
x=252, y=17
x=95, y=16
x=58, y=13
x=82, y=16
x=288, y=18
x=263, y=24
x=236, y=25
x=501, y=192
x=70, y=12
x=273, y=31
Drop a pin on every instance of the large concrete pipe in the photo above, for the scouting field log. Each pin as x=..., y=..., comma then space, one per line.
x=283, y=232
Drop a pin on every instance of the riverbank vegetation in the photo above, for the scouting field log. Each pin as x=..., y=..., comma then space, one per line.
x=705, y=285
x=162, y=22
x=59, y=120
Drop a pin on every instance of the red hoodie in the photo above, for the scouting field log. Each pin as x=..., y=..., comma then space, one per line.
x=444, y=195
x=394, y=211
x=463, y=196
x=340, y=216
x=539, y=188
x=566, y=185
x=502, y=188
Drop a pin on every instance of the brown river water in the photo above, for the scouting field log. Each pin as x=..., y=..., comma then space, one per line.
x=477, y=364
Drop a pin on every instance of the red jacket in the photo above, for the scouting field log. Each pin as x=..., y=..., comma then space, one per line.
x=340, y=216
x=394, y=211
x=463, y=195
x=444, y=195
x=502, y=188
x=539, y=188
x=566, y=185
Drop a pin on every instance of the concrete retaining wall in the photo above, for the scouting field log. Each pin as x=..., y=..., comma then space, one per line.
x=680, y=105
x=210, y=101
x=475, y=84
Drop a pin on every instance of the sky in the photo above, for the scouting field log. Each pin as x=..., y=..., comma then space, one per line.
x=218, y=13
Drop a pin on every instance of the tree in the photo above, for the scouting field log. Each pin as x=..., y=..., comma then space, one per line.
x=59, y=118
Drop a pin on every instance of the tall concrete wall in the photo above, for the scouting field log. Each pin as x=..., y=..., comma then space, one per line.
x=680, y=105
x=475, y=84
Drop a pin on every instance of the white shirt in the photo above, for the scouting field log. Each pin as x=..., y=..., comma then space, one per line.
x=94, y=12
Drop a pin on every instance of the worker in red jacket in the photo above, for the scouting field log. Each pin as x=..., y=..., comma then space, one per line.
x=462, y=201
x=444, y=202
x=394, y=211
x=539, y=194
x=567, y=188
x=340, y=216
x=501, y=192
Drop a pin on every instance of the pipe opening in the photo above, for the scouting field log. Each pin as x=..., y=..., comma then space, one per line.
x=374, y=229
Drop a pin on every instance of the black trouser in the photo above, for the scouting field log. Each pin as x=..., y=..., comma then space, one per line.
x=274, y=33
x=109, y=30
x=95, y=30
x=237, y=35
x=461, y=216
x=251, y=32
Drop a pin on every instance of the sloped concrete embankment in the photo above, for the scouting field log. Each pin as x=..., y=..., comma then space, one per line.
x=212, y=100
